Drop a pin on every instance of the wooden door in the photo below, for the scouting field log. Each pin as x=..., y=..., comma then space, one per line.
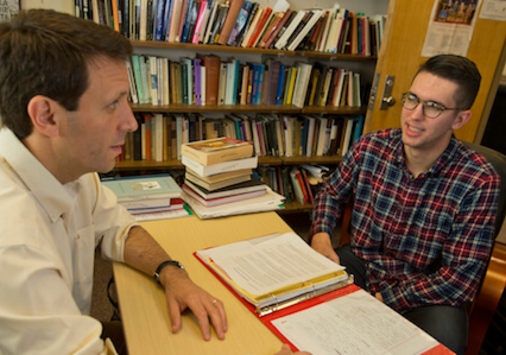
x=400, y=56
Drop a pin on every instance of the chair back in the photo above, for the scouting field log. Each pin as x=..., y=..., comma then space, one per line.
x=498, y=161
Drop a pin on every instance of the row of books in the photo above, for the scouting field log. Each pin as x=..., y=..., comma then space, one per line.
x=300, y=183
x=218, y=179
x=240, y=23
x=211, y=80
x=161, y=136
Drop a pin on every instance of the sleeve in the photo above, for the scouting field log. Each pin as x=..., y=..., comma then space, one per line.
x=335, y=193
x=112, y=222
x=465, y=256
x=37, y=311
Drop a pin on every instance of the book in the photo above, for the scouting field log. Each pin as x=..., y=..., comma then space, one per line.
x=212, y=66
x=231, y=165
x=248, y=186
x=286, y=270
x=218, y=150
x=240, y=23
x=211, y=202
x=293, y=44
x=232, y=15
x=223, y=181
x=270, y=201
x=143, y=187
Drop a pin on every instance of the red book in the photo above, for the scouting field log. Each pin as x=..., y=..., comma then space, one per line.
x=278, y=28
x=260, y=26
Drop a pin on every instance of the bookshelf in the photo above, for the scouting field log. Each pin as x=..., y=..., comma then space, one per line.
x=354, y=63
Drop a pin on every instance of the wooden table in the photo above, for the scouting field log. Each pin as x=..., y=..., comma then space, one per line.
x=143, y=308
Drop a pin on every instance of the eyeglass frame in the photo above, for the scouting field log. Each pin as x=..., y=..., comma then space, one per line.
x=439, y=106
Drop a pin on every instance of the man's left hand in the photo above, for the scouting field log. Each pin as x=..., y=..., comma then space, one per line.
x=181, y=293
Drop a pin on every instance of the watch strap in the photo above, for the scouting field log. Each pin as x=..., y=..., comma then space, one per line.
x=164, y=264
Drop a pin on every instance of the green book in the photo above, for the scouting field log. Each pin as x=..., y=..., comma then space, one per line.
x=136, y=188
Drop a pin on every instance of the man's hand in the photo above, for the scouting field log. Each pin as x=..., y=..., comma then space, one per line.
x=322, y=244
x=285, y=350
x=181, y=293
x=145, y=254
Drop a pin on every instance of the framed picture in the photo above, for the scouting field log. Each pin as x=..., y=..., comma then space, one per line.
x=9, y=8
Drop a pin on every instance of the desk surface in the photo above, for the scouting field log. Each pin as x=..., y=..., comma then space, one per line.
x=143, y=308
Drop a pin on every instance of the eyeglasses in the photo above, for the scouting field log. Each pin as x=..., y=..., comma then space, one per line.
x=430, y=109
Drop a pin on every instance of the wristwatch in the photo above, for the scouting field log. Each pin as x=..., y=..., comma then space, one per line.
x=164, y=264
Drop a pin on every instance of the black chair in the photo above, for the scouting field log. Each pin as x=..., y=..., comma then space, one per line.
x=494, y=282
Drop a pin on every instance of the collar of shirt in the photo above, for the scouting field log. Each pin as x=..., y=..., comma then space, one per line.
x=48, y=191
x=440, y=164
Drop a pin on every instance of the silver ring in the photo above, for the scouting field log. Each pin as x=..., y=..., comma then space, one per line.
x=214, y=301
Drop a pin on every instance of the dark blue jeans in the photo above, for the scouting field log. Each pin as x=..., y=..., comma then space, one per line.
x=448, y=324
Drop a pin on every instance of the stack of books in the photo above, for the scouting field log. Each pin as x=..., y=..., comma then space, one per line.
x=219, y=179
x=149, y=197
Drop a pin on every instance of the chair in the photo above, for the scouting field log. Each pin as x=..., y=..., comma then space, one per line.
x=485, y=303
x=494, y=282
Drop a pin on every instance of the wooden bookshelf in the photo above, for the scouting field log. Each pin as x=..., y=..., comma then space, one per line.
x=255, y=55
x=230, y=49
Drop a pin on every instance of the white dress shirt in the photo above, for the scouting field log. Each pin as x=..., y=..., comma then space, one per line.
x=48, y=236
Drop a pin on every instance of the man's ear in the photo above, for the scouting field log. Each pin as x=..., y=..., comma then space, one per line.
x=461, y=119
x=43, y=113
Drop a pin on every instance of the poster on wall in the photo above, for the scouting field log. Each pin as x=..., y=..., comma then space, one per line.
x=8, y=8
x=451, y=27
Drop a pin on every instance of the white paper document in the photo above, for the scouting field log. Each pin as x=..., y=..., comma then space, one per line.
x=356, y=323
x=273, y=264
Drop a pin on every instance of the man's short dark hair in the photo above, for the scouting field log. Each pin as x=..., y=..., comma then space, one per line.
x=459, y=70
x=44, y=52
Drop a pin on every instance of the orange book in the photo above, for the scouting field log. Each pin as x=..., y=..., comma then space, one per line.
x=115, y=14
x=212, y=65
x=260, y=26
x=228, y=25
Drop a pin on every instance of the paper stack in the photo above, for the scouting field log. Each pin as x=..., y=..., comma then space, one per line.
x=219, y=179
x=149, y=197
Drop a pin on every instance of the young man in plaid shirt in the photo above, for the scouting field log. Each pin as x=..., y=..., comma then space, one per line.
x=424, y=205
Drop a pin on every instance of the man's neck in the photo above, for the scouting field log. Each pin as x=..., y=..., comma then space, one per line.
x=419, y=161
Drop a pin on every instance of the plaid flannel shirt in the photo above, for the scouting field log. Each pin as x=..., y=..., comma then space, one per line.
x=425, y=240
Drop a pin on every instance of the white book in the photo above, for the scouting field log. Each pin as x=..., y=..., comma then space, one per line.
x=328, y=21
x=305, y=30
x=209, y=26
x=158, y=122
x=281, y=42
x=166, y=81
x=232, y=165
x=143, y=20
x=301, y=83
x=339, y=88
x=310, y=134
x=203, y=85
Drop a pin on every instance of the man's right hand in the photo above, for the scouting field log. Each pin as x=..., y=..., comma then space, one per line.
x=322, y=243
